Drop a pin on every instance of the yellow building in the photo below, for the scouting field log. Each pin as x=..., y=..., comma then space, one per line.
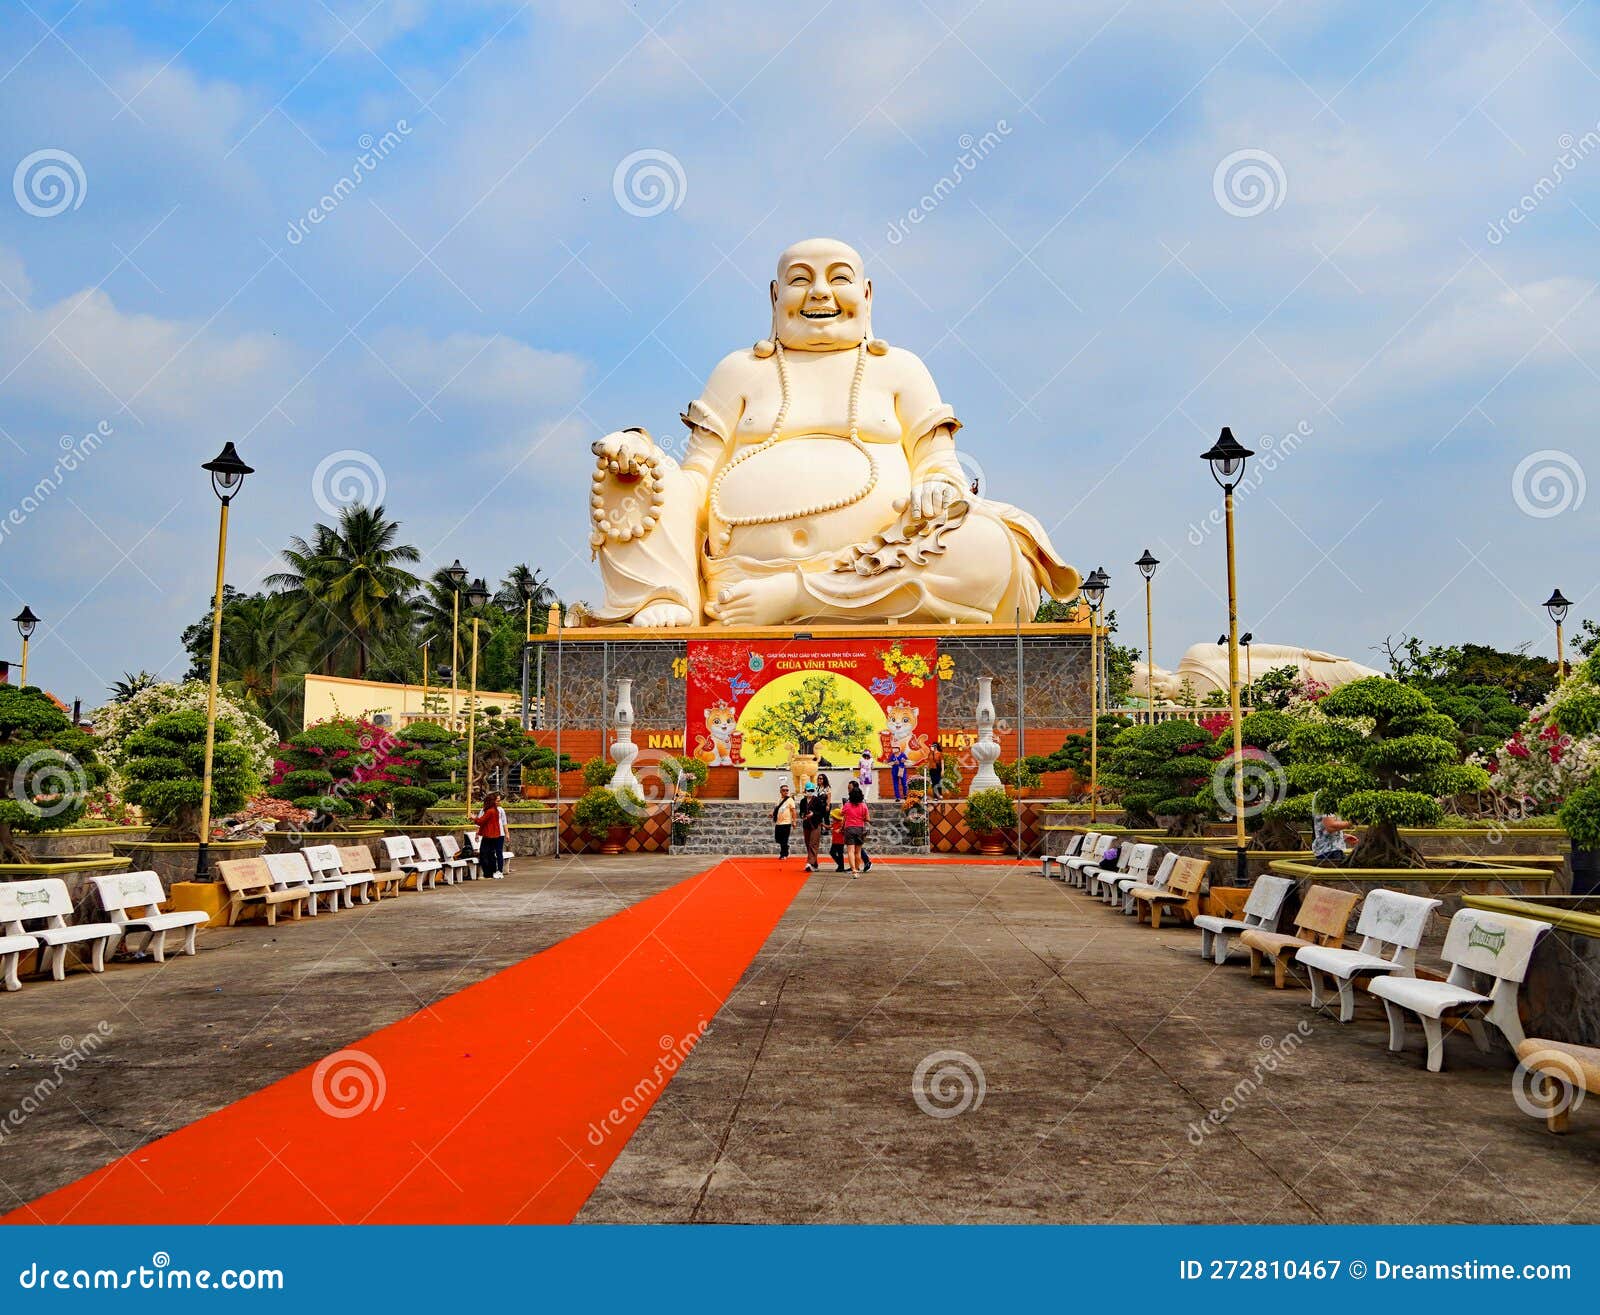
x=341, y=696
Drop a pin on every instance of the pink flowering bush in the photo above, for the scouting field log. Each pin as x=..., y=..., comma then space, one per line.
x=1551, y=755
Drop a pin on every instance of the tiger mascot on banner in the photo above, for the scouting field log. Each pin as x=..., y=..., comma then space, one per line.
x=715, y=749
x=903, y=735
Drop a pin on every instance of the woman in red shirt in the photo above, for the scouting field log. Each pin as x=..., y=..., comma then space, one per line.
x=856, y=822
x=491, y=824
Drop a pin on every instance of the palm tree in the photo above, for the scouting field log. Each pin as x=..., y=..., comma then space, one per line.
x=131, y=684
x=521, y=584
x=350, y=584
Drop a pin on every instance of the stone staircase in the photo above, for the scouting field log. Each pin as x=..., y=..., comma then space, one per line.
x=728, y=827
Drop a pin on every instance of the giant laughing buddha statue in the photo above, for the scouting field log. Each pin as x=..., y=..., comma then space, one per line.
x=820, y=483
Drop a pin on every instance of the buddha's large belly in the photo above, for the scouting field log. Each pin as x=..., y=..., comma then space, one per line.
x=797, y=487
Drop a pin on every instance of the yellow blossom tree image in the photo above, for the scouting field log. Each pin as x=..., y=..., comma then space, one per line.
x=813, y=711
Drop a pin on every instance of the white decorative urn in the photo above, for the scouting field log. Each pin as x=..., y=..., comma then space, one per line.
x=985, y=749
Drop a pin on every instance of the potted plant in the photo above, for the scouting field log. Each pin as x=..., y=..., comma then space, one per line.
x=990, y=814
x=539, y=783
x=684, y=815
x=1580, y=819
x=597, y=772
x=609, y=817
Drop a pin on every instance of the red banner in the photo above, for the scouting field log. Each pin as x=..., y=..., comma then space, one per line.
x=758, y=704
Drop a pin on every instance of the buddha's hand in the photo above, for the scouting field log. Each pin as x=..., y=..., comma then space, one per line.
x=626, y=452
x=930, y=500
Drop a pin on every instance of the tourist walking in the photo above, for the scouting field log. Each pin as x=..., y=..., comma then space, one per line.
x=783, y=816
x=813, y=817
x=836, y=850
x=864, y=774
x=491, y=824
x=856, y=822
x=899, y=772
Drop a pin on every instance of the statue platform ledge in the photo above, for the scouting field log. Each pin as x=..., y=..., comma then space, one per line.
x=598, y=634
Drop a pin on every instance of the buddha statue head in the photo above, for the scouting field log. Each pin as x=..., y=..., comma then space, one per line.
x=821, y=298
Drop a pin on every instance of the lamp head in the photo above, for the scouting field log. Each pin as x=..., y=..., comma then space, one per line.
x=457, y=572
x=1147, y=564
x=1227, y=457
x=1247, y=639
x=1557, y=606
x=477, y=593
x=227, y=472
x=26, y=621
x=1095, y=586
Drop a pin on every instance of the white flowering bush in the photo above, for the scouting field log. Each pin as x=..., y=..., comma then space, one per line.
x=1554, y=753
x=116, y=723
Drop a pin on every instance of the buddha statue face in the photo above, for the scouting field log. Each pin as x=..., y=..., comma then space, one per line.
x=822, y=298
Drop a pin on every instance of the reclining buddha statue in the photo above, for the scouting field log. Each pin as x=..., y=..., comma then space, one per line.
x=820, y=482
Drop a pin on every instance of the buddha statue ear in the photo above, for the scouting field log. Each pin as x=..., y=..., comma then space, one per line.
x=767, y=346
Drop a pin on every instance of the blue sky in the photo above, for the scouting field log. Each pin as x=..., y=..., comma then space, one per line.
x=1100, y=291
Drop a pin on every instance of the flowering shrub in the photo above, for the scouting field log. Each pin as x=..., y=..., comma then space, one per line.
x=345, y=766
x=264, y=808
x=1551, y=755
x=116, y=723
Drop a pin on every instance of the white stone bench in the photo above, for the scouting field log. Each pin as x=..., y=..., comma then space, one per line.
x=248, y=882
x=45, y=900
x=466, y=869
x=1391, y=927
x=428, y=851
x=403, y=859
x=1088, y=856
x=356, y=862
x=290, y=871
x=323, y=860
x=1496, y=946
x=1073, y=845
x=133, y=901
x=1262, y=909
x=1133, y=865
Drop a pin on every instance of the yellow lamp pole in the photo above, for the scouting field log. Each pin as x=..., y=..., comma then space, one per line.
x=227, y=477
x=425, y=644
x=472, y=718
x=477, y=596
x=1227, y=457
x=1094, y=589
x=1147, y=568
x=1556, y=605
x=456, y=573
x=26, y=622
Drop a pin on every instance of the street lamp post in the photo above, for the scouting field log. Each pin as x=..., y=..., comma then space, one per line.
x=1556, y=605
x=524, y=588
x=1245, y=640
x=227, y=478
x=1147, y=568
x=27, y=622
x=477, y=596
x=1226, y=459
x=1094, y=590
x=456, y=573
x=425, y=644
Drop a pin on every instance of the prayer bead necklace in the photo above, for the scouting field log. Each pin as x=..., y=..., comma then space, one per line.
x=729, y=522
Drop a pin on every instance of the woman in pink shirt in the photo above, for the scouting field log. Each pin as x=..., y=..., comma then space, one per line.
x=856, y=822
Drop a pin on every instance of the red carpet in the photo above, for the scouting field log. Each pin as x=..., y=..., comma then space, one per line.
x=503, y=1103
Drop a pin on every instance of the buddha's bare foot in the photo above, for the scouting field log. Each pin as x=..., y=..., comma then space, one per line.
x=768, y=601
x=663, y=615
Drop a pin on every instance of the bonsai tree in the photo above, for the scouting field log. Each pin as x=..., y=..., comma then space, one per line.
x=432, y=753
x=989, y=811
x=811, y=714
x=1389, y=776
x=117, y=722
x=165, y=772
x=1163, y=770
x=600, y=811
x=1265, y=734
x=49, y=763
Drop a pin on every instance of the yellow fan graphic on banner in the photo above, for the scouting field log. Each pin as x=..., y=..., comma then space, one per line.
x=815, y=712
